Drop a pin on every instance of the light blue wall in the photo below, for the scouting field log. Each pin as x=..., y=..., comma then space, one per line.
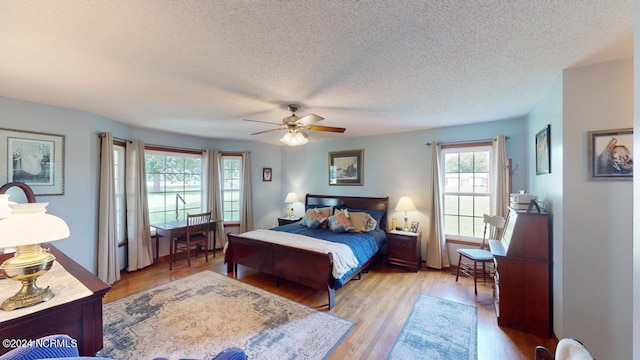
x=592, y=220
x=597, y=229
x=79, y=204
x=396, y=165
x=549, y=187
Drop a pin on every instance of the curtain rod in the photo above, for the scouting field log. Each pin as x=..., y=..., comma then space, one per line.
x=155, y=147
x=160, y=148
x=465, y=142
x=103, y=134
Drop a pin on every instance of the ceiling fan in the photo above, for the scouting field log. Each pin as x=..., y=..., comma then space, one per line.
x=296, y=126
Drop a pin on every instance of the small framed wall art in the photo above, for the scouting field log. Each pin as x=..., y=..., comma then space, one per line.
x=33, y=158
x=266, y=174
x=346, y=167
x=543, y=151
x=610, y=154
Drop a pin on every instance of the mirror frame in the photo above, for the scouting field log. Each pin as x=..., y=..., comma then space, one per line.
x=28, y=192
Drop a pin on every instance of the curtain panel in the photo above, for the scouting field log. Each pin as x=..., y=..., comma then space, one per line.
x=246, y=221
x=140, y=249
x=108, y=267
x=500, y=177
x=437, y=255
x=213, y=195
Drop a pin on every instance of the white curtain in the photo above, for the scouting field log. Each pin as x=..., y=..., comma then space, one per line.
x=437, y=255
x=108, y=267
x=138, y=232
x=500, y=177
x=246, y=222
x=213, y=194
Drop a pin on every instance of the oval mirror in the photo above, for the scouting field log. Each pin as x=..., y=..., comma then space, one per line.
x=19, y=192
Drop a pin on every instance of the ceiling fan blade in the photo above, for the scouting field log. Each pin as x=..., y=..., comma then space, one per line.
x=301, y=131
x=266, y=131
x=310, y=119
x=325, y=128
x=262, y=122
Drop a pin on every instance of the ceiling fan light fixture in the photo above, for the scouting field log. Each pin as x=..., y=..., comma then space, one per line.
x=294, y=138
x=300, y=139
x=296, y=127
x=287, y=138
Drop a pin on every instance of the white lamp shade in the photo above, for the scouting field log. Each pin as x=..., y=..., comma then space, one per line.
x=294, y=139
x=5, y=210
x=28, y=225
x=287, y=138
x=300, y=139
x=291, y=198
x=405, y=204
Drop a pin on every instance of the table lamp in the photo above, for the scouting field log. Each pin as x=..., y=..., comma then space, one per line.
x=5, y=210
x=25, y=229
x=405, y=204
x=291, y=198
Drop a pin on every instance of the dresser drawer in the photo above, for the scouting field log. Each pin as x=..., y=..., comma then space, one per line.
x=403, y=249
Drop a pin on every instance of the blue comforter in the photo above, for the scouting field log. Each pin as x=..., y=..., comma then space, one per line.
x=364, y=245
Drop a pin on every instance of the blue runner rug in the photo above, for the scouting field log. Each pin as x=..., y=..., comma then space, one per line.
x=438, y=329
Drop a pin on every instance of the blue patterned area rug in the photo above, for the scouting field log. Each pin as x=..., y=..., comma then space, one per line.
x=438, y=329
x=198, y=316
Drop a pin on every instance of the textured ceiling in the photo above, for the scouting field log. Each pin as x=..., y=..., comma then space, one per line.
x=200, y=67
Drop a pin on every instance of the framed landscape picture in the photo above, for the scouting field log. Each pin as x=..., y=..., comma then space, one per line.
x=346, y=167
x=33, y=158
x=610, y=154
x=543, y=151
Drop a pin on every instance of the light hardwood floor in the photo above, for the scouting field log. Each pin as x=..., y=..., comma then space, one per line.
x=379, y=304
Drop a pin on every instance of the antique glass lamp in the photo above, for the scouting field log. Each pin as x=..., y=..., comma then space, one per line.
x=405, y=204
x=25, y=229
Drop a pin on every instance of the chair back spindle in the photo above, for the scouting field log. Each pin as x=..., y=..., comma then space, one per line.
x=198, y=227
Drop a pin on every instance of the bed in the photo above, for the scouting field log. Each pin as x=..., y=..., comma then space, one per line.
x=312, y=268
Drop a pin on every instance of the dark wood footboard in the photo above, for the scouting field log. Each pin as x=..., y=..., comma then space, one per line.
x=305, y=267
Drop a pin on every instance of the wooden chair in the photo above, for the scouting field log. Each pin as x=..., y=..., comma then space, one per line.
x=475, y=266
x=198, y=226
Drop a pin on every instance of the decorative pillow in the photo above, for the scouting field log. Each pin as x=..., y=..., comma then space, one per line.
x=362, y=221
x=325, y=211
x=375, y=214
x=340, y=222
x=313, y=219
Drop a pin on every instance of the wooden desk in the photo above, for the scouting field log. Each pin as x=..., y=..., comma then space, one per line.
x=175, y=229
x=524, y=275
x=81, y=319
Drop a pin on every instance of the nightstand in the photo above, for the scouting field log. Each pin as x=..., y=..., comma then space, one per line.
x=403, y=249
x=287, y=220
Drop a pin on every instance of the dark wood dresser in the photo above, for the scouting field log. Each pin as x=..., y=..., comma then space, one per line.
x=403, y=249
x=81, y=319
x=523, y=276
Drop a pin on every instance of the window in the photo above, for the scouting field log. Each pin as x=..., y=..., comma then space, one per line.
x=231, y=187
x=174, y=184
x=467, y=191
x=118, y=173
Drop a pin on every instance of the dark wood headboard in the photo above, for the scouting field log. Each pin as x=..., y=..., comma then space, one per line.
x=354, y=202
x=19, y=186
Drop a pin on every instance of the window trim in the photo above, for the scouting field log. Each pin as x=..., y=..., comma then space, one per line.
x=177, y=152
x=120, y=146
x=222, y=190
x=480, y=145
